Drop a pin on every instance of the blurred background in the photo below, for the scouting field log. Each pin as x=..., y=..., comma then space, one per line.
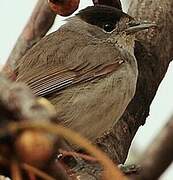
x=13, y=17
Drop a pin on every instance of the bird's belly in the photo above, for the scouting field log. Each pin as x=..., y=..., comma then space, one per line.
x=93, y=108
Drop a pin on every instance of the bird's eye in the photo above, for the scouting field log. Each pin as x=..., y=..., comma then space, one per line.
x=108, y=27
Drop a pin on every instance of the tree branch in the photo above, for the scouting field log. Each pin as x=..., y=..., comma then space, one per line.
x=39, y=23
x=158, y=155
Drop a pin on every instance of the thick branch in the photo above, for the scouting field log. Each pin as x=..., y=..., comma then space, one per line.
x=18, y=103
x=39, y=23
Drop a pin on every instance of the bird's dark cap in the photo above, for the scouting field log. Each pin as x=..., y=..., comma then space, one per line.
x=100, y=14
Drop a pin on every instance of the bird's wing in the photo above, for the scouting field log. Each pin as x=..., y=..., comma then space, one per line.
x=61, y=71
x=54, y=79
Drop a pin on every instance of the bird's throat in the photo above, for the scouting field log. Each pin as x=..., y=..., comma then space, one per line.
x=123, y=41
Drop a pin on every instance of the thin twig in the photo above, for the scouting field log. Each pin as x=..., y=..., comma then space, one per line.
x=110, y=170
x=37, y=172
x=83, y=156
x=158, y=156
x=15, y=171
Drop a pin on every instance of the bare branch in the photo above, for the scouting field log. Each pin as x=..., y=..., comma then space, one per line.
x=18, y=103
x=39, y=23
x=158, y=155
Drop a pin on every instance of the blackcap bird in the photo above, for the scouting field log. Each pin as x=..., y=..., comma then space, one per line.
x=87, y=69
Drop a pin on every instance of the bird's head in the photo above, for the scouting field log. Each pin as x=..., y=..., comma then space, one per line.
x=108, y=23
x=111, y=20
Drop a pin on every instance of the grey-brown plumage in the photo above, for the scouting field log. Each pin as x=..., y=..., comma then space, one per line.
x=87, y=69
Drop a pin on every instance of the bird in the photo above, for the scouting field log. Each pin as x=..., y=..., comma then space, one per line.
x=86, y=69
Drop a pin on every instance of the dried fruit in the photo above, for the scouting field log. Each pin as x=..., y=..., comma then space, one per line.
x=34, y=147
x=64, y=7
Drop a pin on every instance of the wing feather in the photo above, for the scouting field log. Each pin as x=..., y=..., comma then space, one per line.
x=45, y=73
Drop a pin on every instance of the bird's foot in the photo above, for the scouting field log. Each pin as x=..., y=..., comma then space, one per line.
x=129, y=169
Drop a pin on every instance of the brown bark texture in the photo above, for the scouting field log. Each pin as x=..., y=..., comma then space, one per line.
x=153, y=51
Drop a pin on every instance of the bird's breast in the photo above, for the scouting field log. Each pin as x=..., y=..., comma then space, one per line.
x=94, y=107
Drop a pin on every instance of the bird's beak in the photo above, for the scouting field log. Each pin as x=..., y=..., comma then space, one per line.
x=136, y=26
